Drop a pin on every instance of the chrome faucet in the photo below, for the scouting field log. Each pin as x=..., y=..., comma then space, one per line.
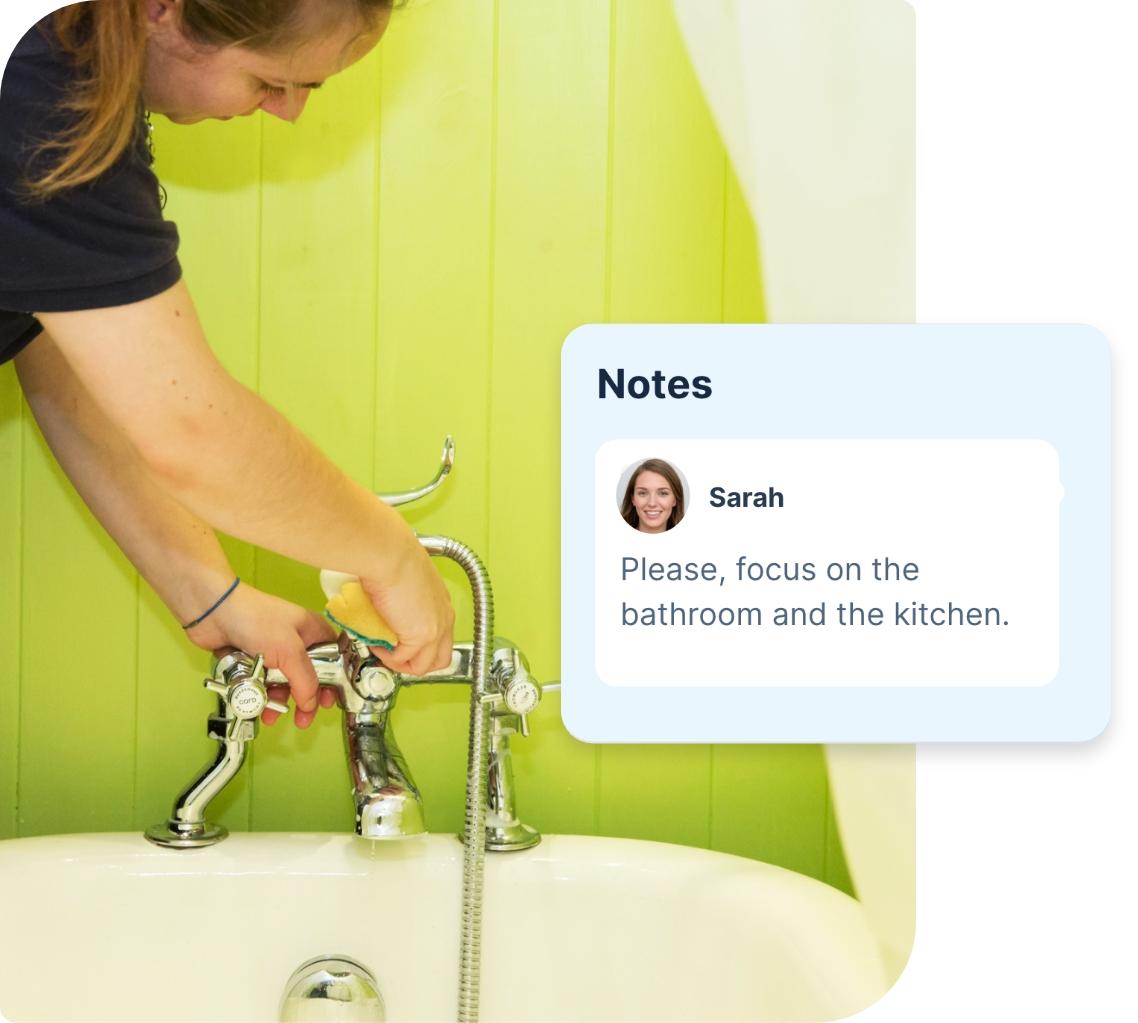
x=387, y=802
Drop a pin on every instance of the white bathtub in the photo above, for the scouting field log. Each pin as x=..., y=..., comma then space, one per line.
x=108, y=927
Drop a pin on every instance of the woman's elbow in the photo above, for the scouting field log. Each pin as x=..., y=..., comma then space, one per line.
x=176, y=452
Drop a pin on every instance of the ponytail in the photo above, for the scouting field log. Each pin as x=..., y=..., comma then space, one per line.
x=106, y=40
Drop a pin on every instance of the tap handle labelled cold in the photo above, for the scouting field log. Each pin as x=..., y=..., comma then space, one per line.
x=240, y=686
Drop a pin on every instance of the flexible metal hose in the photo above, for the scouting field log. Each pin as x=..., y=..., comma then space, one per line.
x=474, y=830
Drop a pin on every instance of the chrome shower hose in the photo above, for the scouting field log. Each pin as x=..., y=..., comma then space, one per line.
x=474, y=829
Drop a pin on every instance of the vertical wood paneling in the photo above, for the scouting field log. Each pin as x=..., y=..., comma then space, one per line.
x=666, y=265
x=549, y=263
x=658, y=793
x=317, y=346
x=667, y=177
x=539, y=166
x=433, y=317
x=770, y=802
x=211, y=173
x=11, y=556
x=318, y=276
x=79, y=634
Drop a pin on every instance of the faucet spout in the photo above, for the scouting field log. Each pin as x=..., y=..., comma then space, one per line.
x=387, y=801
x=388, y=804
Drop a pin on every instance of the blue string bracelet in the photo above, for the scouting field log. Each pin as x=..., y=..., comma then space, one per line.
x=216, y=604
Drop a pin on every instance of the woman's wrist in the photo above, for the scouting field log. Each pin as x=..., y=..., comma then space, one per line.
x=393, y=554
x=215, y=605
x=191, y=590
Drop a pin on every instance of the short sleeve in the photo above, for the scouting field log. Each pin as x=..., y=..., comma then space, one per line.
x=100, y=244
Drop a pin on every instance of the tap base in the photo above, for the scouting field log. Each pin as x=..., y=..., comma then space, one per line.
x=174, y=835
x=510, y=839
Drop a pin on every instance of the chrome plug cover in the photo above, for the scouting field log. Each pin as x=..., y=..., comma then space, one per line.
x=332, y=987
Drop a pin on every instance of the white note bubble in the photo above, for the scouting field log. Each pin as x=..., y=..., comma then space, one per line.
x=832, y=563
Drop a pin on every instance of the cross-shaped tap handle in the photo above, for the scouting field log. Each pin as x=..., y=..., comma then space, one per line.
x=244, y=692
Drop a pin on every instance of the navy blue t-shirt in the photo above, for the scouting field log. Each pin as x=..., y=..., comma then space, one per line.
x=100, y=244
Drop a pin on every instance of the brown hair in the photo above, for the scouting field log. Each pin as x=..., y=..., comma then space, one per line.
x=661, y=468
x=106, y=41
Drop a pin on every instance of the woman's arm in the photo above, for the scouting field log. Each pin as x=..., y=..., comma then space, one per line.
x=230, y=458
x=176, y=552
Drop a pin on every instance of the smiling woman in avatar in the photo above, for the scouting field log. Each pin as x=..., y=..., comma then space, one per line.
x=654, y=498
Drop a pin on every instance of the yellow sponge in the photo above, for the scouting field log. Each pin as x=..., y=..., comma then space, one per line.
x=352, y=611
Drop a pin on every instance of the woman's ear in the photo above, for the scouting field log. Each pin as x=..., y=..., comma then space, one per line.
x=161, y=12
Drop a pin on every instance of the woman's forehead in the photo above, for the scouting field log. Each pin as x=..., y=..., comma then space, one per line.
x=313, y=61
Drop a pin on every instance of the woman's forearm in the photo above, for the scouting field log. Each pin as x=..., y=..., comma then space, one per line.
x=177, y=553
x=218, y=448
x=232, y=460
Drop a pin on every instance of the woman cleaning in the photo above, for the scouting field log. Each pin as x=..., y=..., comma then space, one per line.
x=161, y=442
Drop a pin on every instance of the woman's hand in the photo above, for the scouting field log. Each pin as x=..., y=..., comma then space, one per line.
x=414, y=601
x=281, y=632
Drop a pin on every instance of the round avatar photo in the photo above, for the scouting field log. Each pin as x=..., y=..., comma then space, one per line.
x=651, y=495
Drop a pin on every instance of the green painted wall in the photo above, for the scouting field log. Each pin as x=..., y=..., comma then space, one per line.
x=403, y=263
